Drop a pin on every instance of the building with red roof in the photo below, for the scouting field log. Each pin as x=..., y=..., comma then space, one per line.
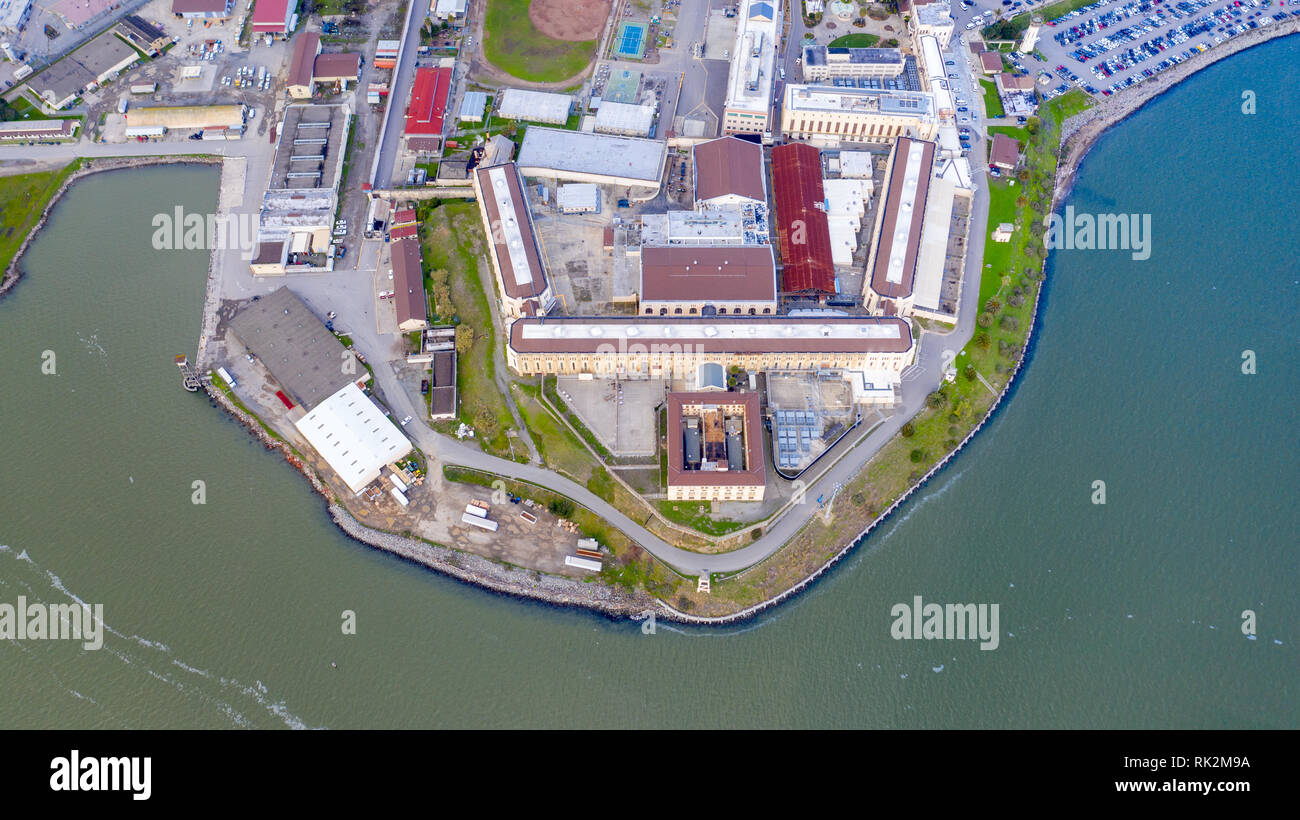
x=803, y=230
x=273, y=16
x=428, y=106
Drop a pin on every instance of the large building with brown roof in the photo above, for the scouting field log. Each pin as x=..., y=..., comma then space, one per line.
x=516, y=258
x=301, y=64
x=408, y=272
x=1004, y=152
x=728, y=171
x=802, y=226
x=673, y=347
x=726, y=280
x=715, y=447
x=891, y=265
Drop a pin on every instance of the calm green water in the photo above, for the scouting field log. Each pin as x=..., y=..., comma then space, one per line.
x=1120, y=615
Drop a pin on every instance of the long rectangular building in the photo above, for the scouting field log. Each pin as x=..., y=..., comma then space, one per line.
x=823, y=62
x=408, y=272
x=516, y=258
x=353, y=436
x=730, y=280
x=428, y=106
x=660, y=347
x=535, y=106
x=834, y=115
x=808, y=266
x=715, y=447
x=891, y=267
x=753, y=63
x=605, y=159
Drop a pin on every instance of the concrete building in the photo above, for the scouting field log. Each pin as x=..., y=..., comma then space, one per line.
x=301, y=196
x=715, y=447
x=1017, y=94
x=708, y=227
x=1003, y=232
x=88, y=67
x=726, y=172
x=535, y=106
x=354, y=436
x=516, y=258
x=674, y=347
x=751, y=78
x=624, y=118
x=186, y=117
x=846, y=205
x=449, y=10
x=301, y=64
x=604, y=159
x=891, y=266
x=203, y=9
x=578, y=198
x=823, y=63
x=857, y=164
x=301, y=354
x=933, y=19
x=729, y=280
x=14, y=16
x=834, y=116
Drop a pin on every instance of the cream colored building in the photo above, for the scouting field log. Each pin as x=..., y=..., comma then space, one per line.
x=832, y=116
x=932, y=19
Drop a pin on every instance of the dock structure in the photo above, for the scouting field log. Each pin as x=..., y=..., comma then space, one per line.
x=189, y=379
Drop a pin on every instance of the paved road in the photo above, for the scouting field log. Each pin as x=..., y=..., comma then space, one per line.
x=399, y=92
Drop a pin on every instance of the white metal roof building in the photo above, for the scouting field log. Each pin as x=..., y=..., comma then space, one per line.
x=753, y=62
x=354, y=436
x=578, y=198
x=622, y=118
x=604, y=159
x=846, y=204
x=473, y=106
x=856, y=164
x=535, y=106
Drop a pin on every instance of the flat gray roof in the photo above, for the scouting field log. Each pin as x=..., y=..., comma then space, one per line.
x=303, y=356
x=301, y=150
x=600, y=154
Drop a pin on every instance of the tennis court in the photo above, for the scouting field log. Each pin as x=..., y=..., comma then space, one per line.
x=631, y=40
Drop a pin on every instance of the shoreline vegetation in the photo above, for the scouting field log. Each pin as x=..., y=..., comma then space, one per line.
x=883, y=485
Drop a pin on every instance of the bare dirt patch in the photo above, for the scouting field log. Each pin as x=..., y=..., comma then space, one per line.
x=574, y=20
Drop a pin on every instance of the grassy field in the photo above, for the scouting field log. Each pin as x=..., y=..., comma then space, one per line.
x=22, y=201
x=451, y=236
x=855, y=41
x=992, y=102
x=512, y=44
x=1012, y=28
x=697, y=516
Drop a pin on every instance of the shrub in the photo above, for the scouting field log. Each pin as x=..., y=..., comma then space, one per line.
x=969, y=372
x=983, y=341
x=937, y=399
x=908, y=430
x=985, y=320
x=562, y=507
x=1009, y=323
x=917, y=455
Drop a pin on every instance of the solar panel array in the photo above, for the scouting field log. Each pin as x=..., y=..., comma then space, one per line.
x=794, y=432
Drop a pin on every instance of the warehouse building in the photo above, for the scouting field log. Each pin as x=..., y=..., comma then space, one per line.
x=715, y=447
x=203, y=9
x=301, y=65
x=428, y=107
x=296, y=348
x=472, y=106
x=730, y=280
x=39, y=129
x=624, y=118
x=143, y=35
x=836, y=115
x=846, y=205
x=808, y=267
x=673, y=347
x=91, y=65
x=516, y=258
x=892, y=264
x=14, y=15
x=823, y=63
x=273, y=16
x=185, y=117
x=337, y=71
x=604, y=159
x=578, y=198
x=753, y=67
x=729, y=225
x=535, y=106
x=728, y=171
x=354, y=436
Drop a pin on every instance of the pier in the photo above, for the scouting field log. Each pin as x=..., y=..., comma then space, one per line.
x=189, y=379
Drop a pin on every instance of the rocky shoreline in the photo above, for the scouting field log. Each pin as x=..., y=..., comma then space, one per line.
x=14, y=271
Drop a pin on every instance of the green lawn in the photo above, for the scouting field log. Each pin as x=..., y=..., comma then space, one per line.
x=22, y=201
x=556, y=444
x=855, y=41
x=451, y=236
x=513, y=45
x=696, y=515
x=992, y=102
